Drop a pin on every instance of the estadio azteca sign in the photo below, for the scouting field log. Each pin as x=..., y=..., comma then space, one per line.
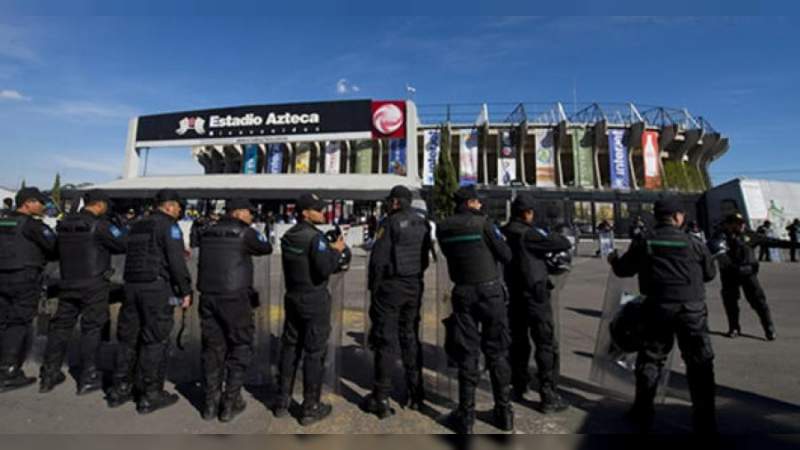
x=383, y=119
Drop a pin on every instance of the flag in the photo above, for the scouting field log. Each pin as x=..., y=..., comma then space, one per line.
x=397, y=156
x=333, y=156
x=250, y=159
x=545, y=158
x=583, y=160
x=363, y=152
x=506, y=160
x=618, y=160
x=468, y=157
x=432, y=143
x=302, y=158
x=274, y=158
x=651, y=155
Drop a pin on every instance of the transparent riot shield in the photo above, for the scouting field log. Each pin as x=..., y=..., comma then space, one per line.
x=333, y=359
x=261, y=367
x=606, y=243
x=612, y=368
x=185, y=341
x=559, y=281
x=445, y=380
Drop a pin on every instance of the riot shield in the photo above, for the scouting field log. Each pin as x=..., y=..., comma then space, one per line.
x=185, y=363
x=261, y=367
x=606, y=243
x=333, y=359
x=559, y=281
x=445, y=374
x=613, y=368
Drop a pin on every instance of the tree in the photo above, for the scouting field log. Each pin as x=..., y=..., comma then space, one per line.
x=22, y=186
x=55, y=192
x=445, y=182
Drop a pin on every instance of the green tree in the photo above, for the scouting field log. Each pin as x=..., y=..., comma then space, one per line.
x=22, y=186
x=445, y=182
x=55, y=192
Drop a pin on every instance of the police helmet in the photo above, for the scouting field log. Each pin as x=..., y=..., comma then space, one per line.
x=627, y=326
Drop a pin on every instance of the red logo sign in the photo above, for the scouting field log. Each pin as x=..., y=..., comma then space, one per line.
x=389, y=119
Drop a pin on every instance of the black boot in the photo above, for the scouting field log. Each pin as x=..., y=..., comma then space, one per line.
x=49, y=380
x=766, y=322
x=377, y=404
x=153, y=401
x=416, y=392
x=503, y=412
x=551, y=400
x=213, y=392
x=119, y=394
x=314, y=409
x=90, y=381
x=733, y=333
x=14, y=378
x=463, y=418
x=232, y=405
x=285, y=388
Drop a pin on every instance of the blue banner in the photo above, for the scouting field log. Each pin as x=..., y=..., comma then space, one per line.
x=274, y=158
x=432, y=144
x=250, y=159
x=618, y=160
x=397, y=156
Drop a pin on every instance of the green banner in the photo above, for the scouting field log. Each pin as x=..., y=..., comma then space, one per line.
x=363, y=152
x=583, y=160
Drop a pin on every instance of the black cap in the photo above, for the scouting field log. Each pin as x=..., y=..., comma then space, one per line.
x=667, y=206
x=310, y=201
x=400, y=192
x=238, y=203
x=735, y=218
x=96, y=195
x=523, y=202
x=465, y=193
x=30, y=193
x=168, y=195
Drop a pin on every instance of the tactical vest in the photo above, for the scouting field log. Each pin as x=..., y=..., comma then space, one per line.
x=82, y=257
x=225, y=264
x=144, y=258
x=524, y=270
x=296, y=256
x=16, y=251
x=408, y=234
x=671, y=270
x=469, y=258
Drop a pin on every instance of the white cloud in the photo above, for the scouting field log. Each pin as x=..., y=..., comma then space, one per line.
x=10, y=94
x=81, y=109
x=343, y=87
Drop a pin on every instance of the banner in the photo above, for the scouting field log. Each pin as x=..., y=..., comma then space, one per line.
x=468, y=157
x=363, y=160
x=583, y=160
x=250, y=159
x=302, y=158
x=618, y=160
x=274, y=158
x=432, y=142
x=545, y=158
x=333, y=156
x=506, y=160
x=651, y=155
x=397, y=156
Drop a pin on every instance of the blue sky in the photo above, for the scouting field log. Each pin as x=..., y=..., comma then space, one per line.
x=69, y=84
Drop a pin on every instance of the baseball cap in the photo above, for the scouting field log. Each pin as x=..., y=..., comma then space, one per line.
x=400, y=192
x=667, y=206
x=466, y=193
x=310, y=201
x=96, y=195
x=735, y=218
x=523, y=202
x=238, y=203
x=30, y=193
x=168, y=195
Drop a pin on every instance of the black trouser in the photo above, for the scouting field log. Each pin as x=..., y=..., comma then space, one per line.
x=753, y=293
x=395, y=316
x=226, y=322
x=793, y=251
x=687, y=321
x=763, y=253
x=479, y=322
x=305, y=335
x=531, y=318
x=19, y=300
x=91, y=304
x=143, y=328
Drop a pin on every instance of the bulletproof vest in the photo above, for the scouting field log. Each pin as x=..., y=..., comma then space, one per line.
x=16, y=251
x=225, y=264
x=525, y=270
x=671, y=269
x=408, y=234
x=144, y=257
x=296, y=255
x=82, y=255
x=469, y=258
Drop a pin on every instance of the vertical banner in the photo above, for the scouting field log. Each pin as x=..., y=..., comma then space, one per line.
x=651, y=155
x=363, y=152
x=397, y=156
x=250, y=159
x=545, y=158
x=432, y=142
x=302, y=158
x=618, y=160
x=468, y=157
x=274, y=158
x=583, y=160
x=333, y=156
x=506, y=160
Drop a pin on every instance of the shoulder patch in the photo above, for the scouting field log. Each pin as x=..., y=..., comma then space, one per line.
x=48, y=233
x=261, y=237
x=115, y=231
x=175, y=232
x=379, y=233
x=540, y=231
x=322, y=244
x=497, y=233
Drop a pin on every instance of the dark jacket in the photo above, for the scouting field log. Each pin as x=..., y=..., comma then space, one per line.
x=529, y=247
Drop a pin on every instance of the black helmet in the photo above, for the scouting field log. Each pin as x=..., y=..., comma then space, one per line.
x=627, y=327
x=558, y=262
x=346, y=256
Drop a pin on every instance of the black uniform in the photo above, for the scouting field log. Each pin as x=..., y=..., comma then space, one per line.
x=739, y=269
x=763, y=252
x=26, y=244
x=308, y=262
x=396, y=275
x=530, y=310
x=793, y=229
x=85, y=243
x=672, y=268
x=155, y=270
x=225, y=281
x=475, y=250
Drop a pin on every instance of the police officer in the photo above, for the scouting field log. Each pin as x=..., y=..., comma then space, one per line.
x=156, y=280
x=396, y=271
x=86, y=241
x=309, y=259
x=739, y=269
x=225, y=281
x=530, y=310
x=8, y=206
x=475, y=250
x=672, y=268
x=26, y=244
